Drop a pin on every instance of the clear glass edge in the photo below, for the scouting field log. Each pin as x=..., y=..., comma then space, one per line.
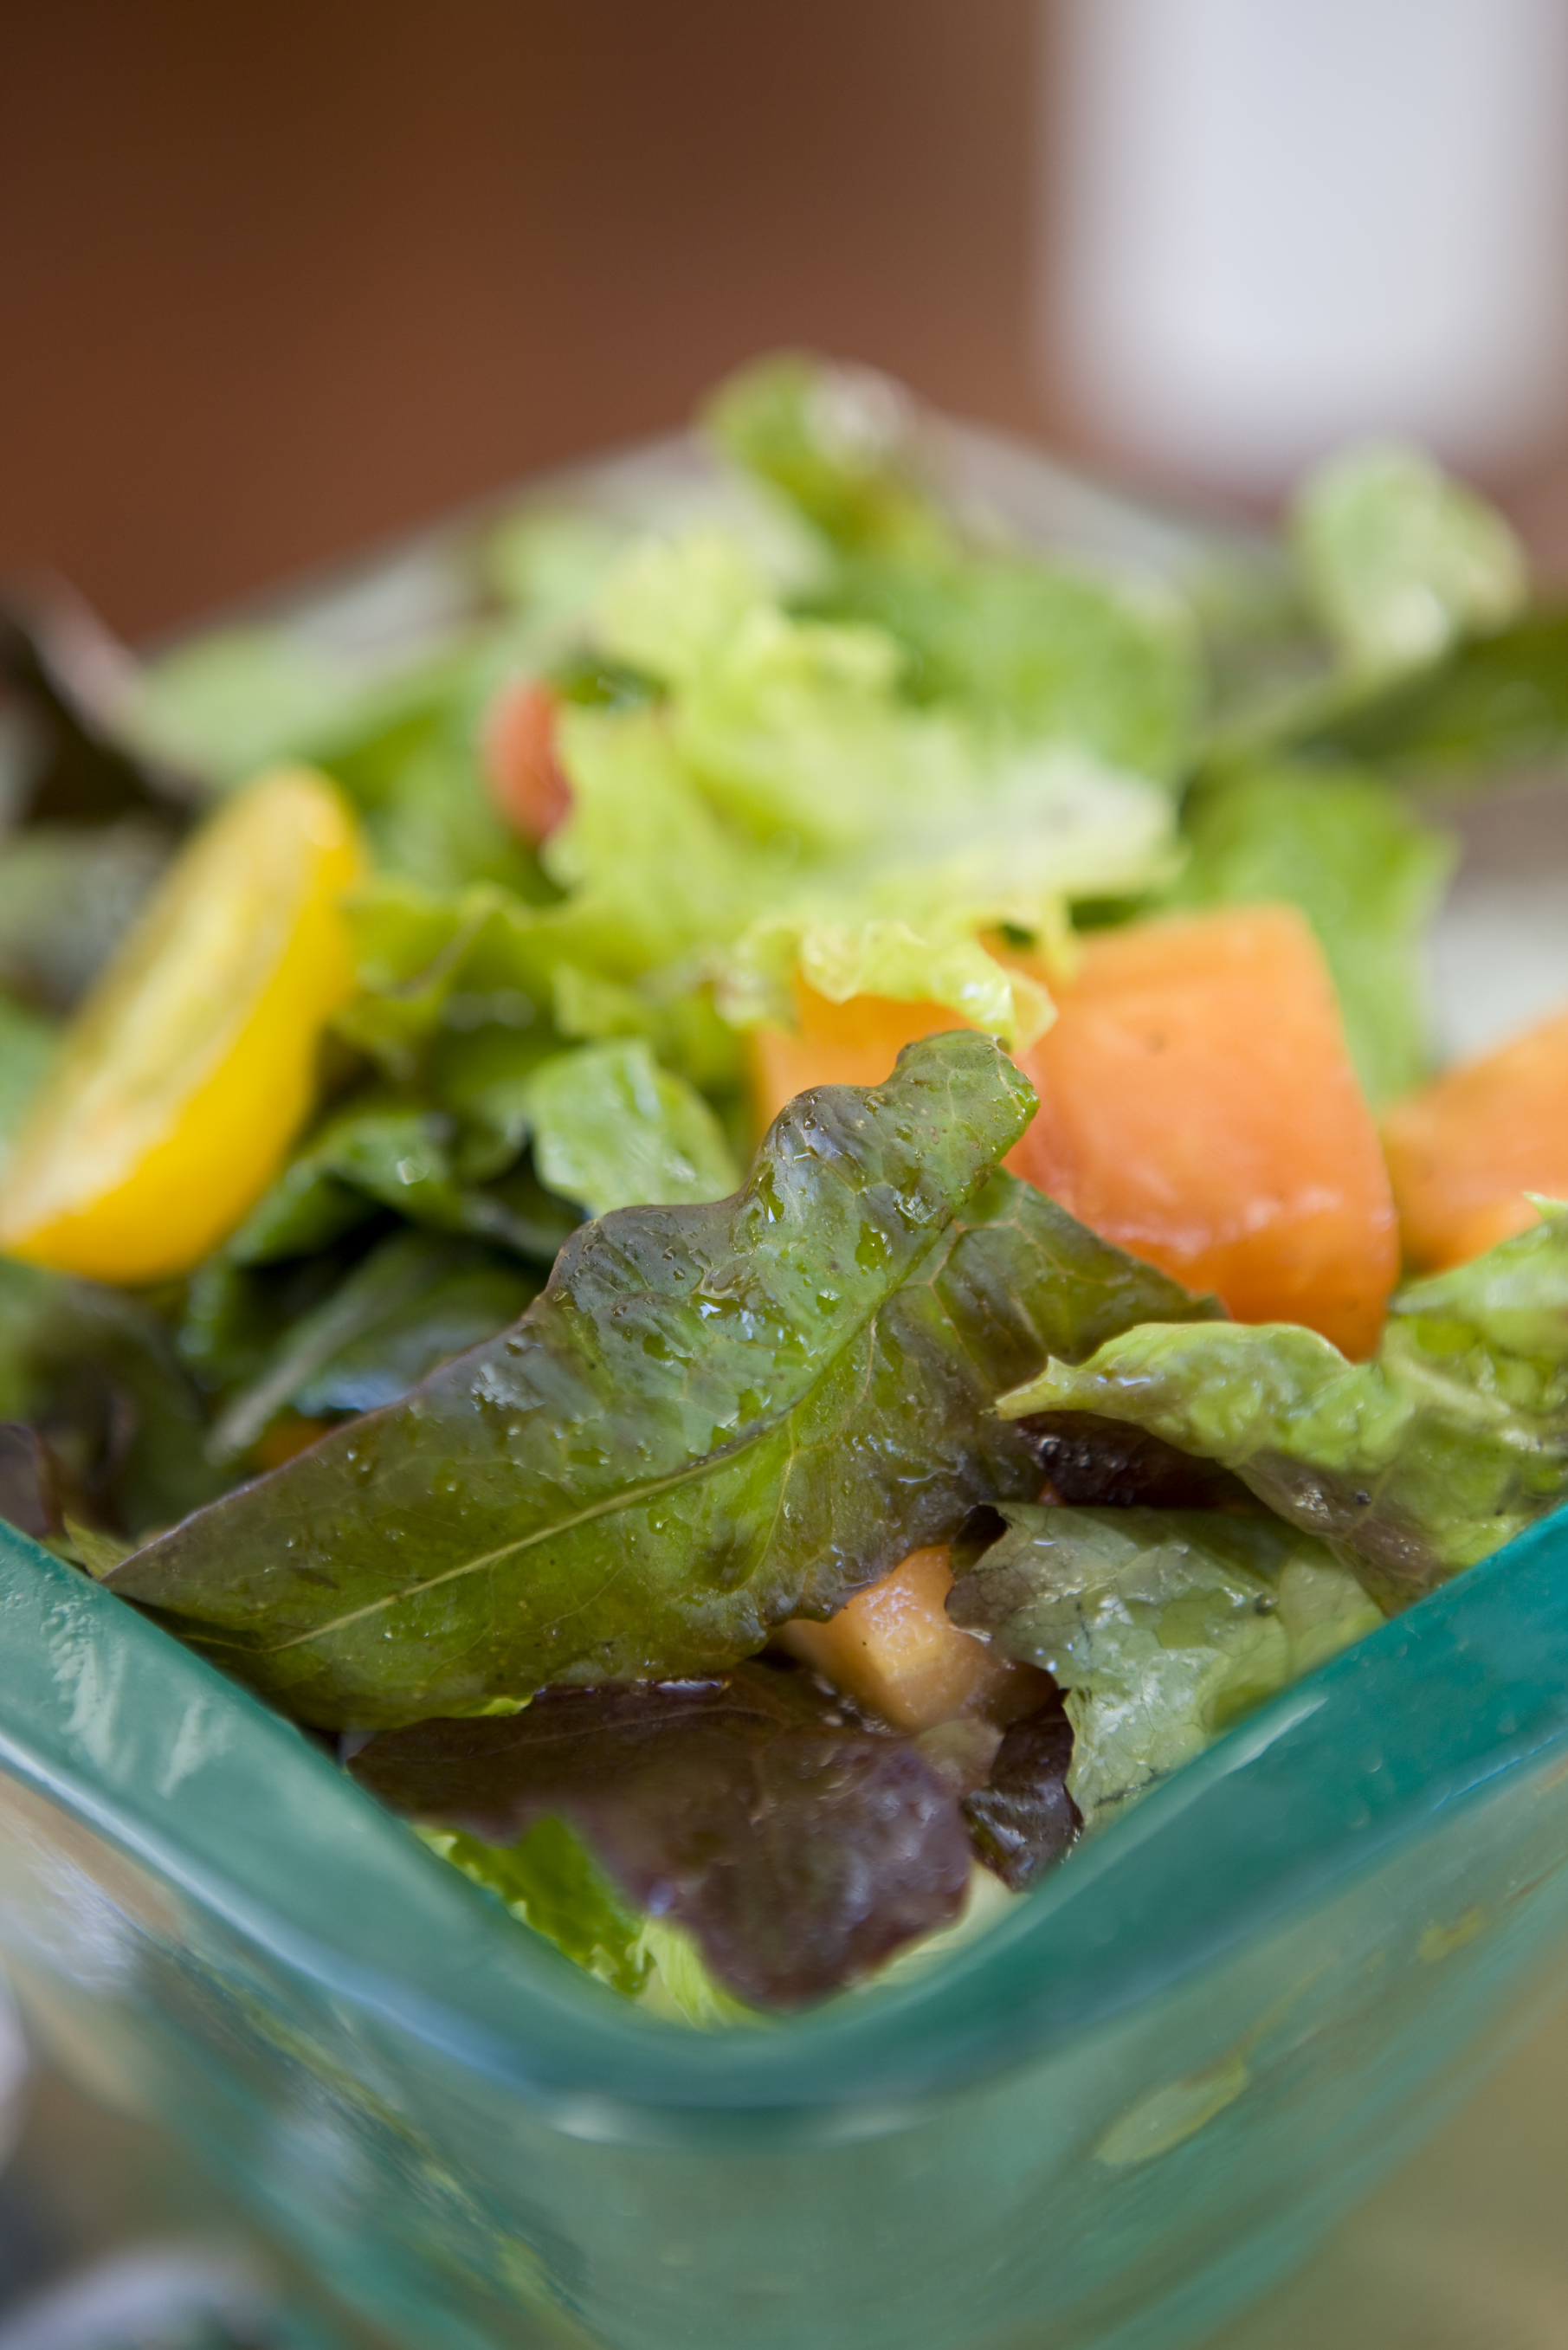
x=142, y=1739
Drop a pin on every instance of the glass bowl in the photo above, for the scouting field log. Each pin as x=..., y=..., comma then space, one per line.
x=1105, y=2125
x=1109, y=2121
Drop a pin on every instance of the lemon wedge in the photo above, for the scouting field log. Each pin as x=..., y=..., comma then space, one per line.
x=191, y=1064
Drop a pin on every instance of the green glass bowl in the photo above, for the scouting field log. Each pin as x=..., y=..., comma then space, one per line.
x=1105, y=2126
x=1108, y=2123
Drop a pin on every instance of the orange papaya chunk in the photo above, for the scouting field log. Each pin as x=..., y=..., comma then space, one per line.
x=1197, y=1106
x=894, y=1648
x=1464, y=1151
x=852, y=1043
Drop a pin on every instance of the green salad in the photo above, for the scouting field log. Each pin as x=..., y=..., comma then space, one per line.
x=740, y=1175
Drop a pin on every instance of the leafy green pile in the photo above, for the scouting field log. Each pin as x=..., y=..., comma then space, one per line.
x=594, y=1406
x=713, y=1419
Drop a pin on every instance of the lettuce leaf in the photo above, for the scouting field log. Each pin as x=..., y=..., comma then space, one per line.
x=414, y=1301
x=1039, y=651
x=1367, y=875
x=816, y=820
x=1450, y=1441
x=1400, y=561
x=549, y=1880
x=1163, y=1626
x=1020, y=645
x=383, y=1150
x=715, y=1418
x=612, y=1130
x=800, y=1848
x=842, y=444
x=96, y=1372
x=1499, y=703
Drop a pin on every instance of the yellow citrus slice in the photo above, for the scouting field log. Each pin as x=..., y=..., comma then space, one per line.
x=191, y=1064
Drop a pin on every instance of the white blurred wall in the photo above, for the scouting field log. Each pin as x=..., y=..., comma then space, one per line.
x=1277, y=222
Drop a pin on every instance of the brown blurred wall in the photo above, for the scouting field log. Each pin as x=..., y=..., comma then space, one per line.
x=276, y=280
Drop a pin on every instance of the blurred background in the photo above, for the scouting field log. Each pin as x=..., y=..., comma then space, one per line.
x=277, y=283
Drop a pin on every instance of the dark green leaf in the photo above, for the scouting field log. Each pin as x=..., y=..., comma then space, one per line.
x=383, y=1150
x=715, y=1418
x=1453, y=1439
x=800, y=1848
x=236, y=1315
x=96, y=1372
x=415, y=1301
x=1498, y=705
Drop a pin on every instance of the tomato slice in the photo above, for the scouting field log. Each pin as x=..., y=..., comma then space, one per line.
x=191, y=1065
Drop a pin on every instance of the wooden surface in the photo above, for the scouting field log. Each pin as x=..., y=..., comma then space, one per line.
x=1466, y=2248
x=278, y=281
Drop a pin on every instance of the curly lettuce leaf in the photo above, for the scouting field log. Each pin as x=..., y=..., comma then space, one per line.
x=1400, y=561
x=1367, y=875
x=841, y=833
x=715, y=1418
x=780, y=805
x=798, y=1848
x=1452, y=1440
